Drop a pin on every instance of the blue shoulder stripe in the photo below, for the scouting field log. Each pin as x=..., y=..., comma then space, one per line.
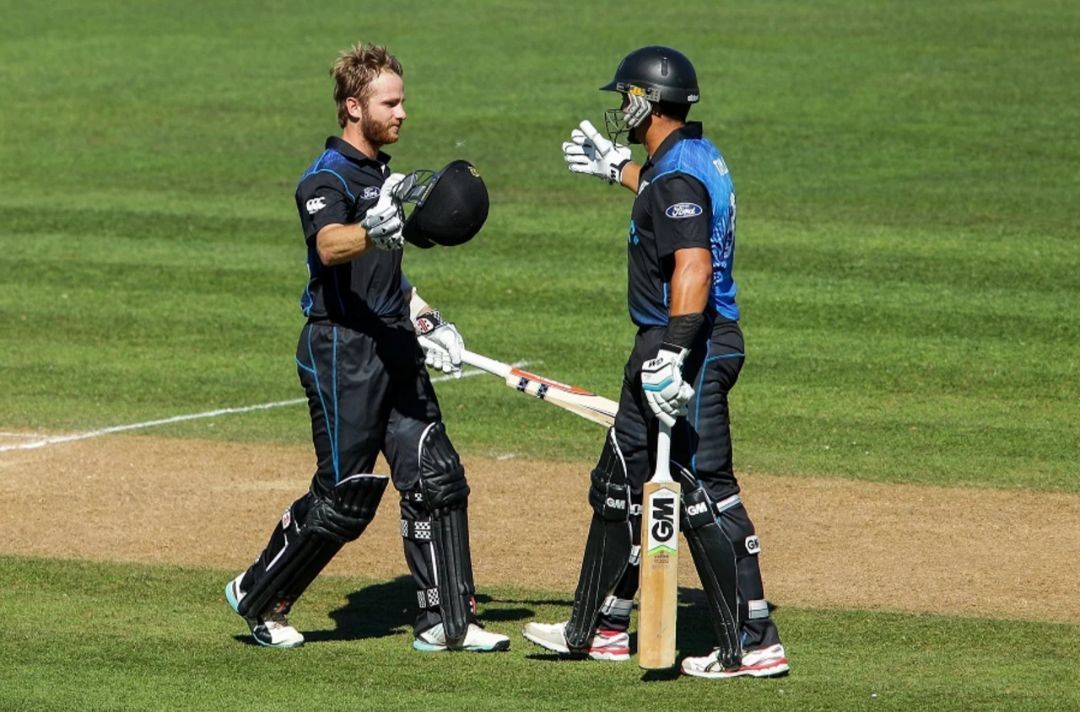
x=327, y=163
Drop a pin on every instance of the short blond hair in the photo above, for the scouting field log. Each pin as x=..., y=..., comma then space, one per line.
x=354, y=71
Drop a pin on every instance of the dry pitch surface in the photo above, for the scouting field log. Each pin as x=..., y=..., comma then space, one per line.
x=829, y=543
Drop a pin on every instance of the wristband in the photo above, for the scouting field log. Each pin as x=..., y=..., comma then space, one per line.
x=682, y=330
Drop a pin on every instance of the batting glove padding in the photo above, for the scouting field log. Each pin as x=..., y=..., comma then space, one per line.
x=590, y=153
x=385, y=220
x=665, y=390
x=443, y=346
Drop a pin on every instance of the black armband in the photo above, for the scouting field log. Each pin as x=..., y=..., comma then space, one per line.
x=682, y=330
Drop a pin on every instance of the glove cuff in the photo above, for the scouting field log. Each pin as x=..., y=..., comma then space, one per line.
x=428, y=322
x=615, y=171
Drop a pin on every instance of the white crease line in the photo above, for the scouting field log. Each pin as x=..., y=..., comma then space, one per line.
x=57, y=439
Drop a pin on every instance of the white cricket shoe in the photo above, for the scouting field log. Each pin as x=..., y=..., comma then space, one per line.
x=613, y=645
x=477, y=640
x=763, y=662
x=272, y=630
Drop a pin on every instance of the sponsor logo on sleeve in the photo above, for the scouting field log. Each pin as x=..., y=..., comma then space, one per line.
x=683, y=210
x=315, y=205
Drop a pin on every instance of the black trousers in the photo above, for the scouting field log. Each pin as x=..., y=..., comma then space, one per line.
x=368, y=391
x=701, y=442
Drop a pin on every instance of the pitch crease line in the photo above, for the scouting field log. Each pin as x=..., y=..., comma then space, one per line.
x=58, y=439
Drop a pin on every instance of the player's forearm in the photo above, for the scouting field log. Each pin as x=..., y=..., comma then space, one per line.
x=340, y=243
x=631, y=176
x=690, y=281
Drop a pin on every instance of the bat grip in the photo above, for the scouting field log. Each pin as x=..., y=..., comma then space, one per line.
x=663, y=453
x=475, y=360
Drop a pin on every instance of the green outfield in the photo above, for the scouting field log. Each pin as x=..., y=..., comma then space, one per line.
x=113, y=637
x=907, y=261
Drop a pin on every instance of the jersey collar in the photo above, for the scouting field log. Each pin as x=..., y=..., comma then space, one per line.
x=346, y=149
x=691, y=129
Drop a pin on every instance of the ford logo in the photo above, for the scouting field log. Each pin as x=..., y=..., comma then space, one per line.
x=683, y=210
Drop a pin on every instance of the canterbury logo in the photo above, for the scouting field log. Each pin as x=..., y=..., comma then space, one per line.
x=315, y=205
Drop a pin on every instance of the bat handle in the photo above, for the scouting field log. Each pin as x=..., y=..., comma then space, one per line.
x=663, y=453
x=476, y=360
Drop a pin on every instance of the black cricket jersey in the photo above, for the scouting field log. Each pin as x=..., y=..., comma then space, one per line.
x=340, y=186
x=685, y=199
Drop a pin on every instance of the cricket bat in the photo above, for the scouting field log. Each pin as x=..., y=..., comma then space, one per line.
x=659, y=583
x=578, y=401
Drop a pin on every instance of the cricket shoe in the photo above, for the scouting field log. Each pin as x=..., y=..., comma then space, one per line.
x=272, y=630
x=763, y=662
x=613, y=645
x=477, y=640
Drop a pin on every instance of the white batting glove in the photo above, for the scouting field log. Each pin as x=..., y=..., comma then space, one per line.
x=665, y=390
x=385, y=220
x=590, y=153
x=443, y=346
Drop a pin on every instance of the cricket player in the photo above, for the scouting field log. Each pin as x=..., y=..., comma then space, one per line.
x=360, y=363
x=686, y=358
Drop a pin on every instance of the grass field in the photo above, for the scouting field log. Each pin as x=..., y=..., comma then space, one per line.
x=93, y=636
x=907, y=260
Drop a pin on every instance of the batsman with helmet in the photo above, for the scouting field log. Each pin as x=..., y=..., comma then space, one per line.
x=362, y=367
x=687, y=355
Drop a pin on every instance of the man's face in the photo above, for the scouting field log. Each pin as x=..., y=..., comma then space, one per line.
x=384, y=111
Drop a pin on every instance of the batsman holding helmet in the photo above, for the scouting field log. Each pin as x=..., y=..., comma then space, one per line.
x=361, y=365
x=686, y=358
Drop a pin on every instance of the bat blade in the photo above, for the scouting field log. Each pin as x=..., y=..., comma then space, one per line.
x=659, y=574
x=576, y=400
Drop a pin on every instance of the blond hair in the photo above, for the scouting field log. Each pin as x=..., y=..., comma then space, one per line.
x=354, y=71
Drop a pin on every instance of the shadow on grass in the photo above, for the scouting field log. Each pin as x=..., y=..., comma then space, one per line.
x=386, y=609
x=389, y=608
x=375, y=611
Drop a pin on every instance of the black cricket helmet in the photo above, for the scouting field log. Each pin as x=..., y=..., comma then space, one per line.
x=451, y=205
x=659, y=74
